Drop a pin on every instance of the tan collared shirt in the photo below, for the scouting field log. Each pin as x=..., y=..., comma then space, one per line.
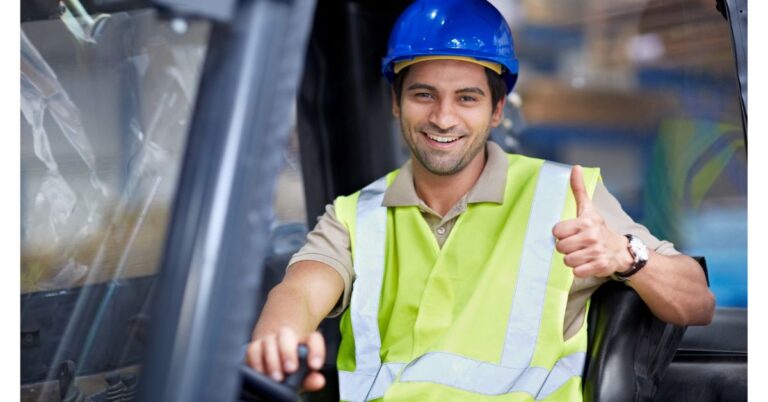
x=329, y=242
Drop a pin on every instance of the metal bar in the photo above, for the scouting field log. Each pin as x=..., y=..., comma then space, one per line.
x=218, y=10
x=211, y=270
x=735, y=12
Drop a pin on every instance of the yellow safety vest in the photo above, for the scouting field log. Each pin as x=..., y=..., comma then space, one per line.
x=480, y=319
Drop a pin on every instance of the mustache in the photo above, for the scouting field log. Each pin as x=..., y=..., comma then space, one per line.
x=431, y=128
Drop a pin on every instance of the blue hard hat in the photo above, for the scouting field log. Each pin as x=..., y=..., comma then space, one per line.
x=459, y=28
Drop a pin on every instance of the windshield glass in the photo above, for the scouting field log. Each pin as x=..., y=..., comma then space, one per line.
x=105, y=106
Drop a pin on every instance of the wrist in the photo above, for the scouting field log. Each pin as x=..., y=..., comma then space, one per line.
x=625, y=260
x=639, y=255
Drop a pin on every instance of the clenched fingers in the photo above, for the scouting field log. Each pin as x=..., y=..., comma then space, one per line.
x=276, y=354
x=314, y=382
x=572, y=244
x=571, y=227
x=592, y=268
x=567, y=228
x=253, y=356
x=316, y=346
x=579, y=257
x=271, y=356
x=287, y=343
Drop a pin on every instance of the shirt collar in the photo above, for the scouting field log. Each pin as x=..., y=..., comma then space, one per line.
x=489, y=187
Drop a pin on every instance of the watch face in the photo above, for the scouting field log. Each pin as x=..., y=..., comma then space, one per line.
x=640, y=250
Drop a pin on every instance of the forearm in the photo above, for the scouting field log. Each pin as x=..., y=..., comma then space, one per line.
x=286, y=306
x=675, y=289
x=302, y=300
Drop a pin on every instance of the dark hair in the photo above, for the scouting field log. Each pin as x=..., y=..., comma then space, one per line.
x=495, y=82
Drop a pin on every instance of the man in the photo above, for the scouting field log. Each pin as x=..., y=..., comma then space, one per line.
x=465, y=274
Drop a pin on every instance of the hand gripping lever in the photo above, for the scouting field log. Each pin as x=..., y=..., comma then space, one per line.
x=266, y=389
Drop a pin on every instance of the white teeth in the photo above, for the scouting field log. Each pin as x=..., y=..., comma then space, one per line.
x=443, y=140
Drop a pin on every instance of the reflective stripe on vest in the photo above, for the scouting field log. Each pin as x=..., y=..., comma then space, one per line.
x=355, y=386
x=369, y=262
x=538, y=247
x=371, y=379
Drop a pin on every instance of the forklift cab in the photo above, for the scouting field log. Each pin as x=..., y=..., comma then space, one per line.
x=176, y=152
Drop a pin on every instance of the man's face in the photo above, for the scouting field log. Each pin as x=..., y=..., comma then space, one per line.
x=446, y=114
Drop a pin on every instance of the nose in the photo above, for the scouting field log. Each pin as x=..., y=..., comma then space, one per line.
x=443, y=114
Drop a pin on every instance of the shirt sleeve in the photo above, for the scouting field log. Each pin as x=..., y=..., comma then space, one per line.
x=328, y=243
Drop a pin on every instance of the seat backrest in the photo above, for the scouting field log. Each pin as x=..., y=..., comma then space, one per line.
x=629, y=348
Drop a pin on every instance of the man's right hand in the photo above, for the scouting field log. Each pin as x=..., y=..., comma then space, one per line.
x=275, y=354
x=294, y=308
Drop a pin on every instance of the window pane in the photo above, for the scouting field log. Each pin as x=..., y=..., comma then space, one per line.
x=289, y=225
x=106, y=102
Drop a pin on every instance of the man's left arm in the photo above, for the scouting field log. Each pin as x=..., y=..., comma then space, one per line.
x=673, y=286
x=675, y=289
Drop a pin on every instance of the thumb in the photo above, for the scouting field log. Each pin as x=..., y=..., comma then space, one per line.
x=583, y=203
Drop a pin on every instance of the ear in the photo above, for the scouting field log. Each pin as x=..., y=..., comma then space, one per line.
x=395, y=106
x=498, y=113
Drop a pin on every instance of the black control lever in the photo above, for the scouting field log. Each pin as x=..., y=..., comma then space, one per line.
x=68, y=391
x=266, y=389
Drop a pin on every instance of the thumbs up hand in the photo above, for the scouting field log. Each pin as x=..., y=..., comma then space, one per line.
x=588, y=245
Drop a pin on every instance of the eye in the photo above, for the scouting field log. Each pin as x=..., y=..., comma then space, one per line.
x=423, y=95
x=467, y=99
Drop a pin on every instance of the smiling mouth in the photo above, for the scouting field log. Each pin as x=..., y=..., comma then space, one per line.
x=442, y=140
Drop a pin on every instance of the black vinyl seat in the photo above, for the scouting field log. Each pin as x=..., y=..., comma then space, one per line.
x=629, y=349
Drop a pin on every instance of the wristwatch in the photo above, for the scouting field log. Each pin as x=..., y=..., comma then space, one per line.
x=639, y=252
